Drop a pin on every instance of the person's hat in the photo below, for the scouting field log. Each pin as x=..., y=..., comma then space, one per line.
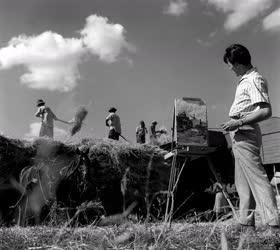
x=40, y=102
x=154, y=122
x=112, y=109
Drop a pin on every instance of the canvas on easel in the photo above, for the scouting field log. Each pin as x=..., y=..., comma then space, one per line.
x=190, y=120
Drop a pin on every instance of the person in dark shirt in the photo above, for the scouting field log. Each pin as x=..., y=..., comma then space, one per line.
x=141, y=132
x=113, y=122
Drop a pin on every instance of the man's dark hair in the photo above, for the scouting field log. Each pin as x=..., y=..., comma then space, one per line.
x=237, y=53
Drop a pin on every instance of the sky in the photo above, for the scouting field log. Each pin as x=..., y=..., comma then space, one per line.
x=136, y=55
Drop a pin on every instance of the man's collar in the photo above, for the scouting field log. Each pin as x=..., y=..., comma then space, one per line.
x=248, y=72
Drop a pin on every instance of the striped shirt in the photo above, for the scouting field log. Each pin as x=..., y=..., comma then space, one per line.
x=251, y=90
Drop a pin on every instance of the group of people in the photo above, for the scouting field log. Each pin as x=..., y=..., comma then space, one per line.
x=250, y=106
x=112, y=121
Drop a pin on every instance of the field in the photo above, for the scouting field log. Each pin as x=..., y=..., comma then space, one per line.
x=139, y=172
x=181, y=235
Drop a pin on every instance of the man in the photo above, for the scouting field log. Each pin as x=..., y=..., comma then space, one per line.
x=113, y=122
x=47, y=118
x=141, y=132
x=251, y=105
x=154, y=133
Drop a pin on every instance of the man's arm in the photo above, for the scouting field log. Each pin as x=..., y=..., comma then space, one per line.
x=60, y=120
x=66, y=122
x=263, y=113
x=108, y=120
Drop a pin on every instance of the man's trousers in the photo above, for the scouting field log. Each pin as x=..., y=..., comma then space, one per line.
x=252, y=184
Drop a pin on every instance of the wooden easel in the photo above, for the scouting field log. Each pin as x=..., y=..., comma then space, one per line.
x=188, y=153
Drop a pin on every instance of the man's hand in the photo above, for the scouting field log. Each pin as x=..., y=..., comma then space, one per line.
x=230, y=125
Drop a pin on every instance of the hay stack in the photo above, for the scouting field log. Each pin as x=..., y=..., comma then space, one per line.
x=116, y=160
x=109, y=161
x=14, y=156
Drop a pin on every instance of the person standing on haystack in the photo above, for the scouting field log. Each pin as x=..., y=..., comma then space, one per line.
x=251, y=105
x=141, y=132
x=47, y=118
x=114, y=123
x=153, y=133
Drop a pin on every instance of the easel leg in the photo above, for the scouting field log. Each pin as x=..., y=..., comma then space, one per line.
x=170, y=188
x=173, y=182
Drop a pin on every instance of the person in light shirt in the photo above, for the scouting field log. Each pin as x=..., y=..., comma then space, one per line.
x=251, y=105
x=47, y=119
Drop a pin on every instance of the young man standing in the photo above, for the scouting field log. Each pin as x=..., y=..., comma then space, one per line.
x=251, y=105
x=113, y=122
x=47, y=118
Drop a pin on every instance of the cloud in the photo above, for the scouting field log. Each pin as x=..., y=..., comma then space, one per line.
x=240, y=11
x=52, y=61
x=272, y=21
x=104, y=39
x=208, y=41
x=176, y=8
x=34, y=129
x=203, y=43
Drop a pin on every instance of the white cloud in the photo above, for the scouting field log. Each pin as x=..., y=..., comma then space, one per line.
x=50, y=59
x=104, y=39
x=240, y=11
x=272, y=21
x=176, y=7
x=34, y=129
x=203, y=43
x=208, y=41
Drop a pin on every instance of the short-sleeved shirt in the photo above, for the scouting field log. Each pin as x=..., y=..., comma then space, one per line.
x=114, y=122
x=251, y=90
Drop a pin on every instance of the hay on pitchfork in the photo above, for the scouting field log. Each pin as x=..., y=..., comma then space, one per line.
x=78, y=120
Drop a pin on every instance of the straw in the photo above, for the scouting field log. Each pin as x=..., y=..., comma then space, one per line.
x=78, y=120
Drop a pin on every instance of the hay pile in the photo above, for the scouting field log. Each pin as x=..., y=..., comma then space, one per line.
x=140, y=168
x=79, y=117
x=14, y=156
x=117, y=170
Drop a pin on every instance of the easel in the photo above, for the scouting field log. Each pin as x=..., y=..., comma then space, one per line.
x=188, y=153
x=175, y=174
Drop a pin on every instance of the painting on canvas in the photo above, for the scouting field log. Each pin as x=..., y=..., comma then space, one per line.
x=191, y=122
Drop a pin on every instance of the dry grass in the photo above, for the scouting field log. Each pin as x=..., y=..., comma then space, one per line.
x=139, y=236
x=79, y=117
